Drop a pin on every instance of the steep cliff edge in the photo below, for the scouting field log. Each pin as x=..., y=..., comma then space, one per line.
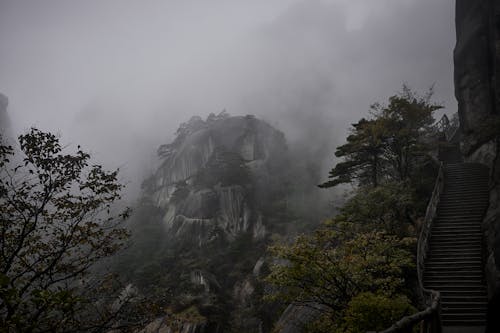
x=477, y=88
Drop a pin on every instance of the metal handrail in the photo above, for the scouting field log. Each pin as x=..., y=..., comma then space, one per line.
x=447, y=127
x=430, y=214
x=431, y=315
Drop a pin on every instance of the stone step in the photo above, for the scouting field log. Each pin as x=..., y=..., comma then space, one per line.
x=458, y=277
x=464, y=246
x=448, y=298
x=459, y=222
x=473, y=184
x=470, y=326
x=446, y=236
x=465, y=179
x=456, y=252
x=464, y=240
x=477, y=191
x=457, y=200
x=453, y=227
x=465, y=193
x=448, y=227
x=462, y=206
x=456, y=249
x=459, y=215
x=455, y=214
x=460, y=201
x=466, y=185
x=455, y=317
x=464, y=199
x=465, y=196
x=450, y=266
x=459, y=177
x=474, y=210
x=461, y=259
x=454, y=262
x=458, y=240
x=467, y=172
x=436, y=283
x=474, y=272
x=469, y=188
x=464, y=305
x=447, y=255
x=465, y=294
x=445, y=258
x=457, y=231
x=465, y=165
x=456, y=287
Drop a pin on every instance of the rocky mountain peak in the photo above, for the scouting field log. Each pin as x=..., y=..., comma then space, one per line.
x=208, y=183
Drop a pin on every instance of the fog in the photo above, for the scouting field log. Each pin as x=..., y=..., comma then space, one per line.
x=118, y=76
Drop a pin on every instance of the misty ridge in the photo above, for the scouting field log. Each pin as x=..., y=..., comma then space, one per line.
x=185, y=166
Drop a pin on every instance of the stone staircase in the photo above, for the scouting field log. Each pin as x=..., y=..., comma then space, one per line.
x=454, y=263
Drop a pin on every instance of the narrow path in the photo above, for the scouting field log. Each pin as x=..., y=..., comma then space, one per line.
x=454, y=265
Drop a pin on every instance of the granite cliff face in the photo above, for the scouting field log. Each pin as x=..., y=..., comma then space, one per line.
x=222, y=190
x=477, y=88
x=215, y=177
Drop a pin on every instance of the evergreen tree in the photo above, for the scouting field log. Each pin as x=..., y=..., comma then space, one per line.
x=362, y=156
x=406, y=121
x=389, y=146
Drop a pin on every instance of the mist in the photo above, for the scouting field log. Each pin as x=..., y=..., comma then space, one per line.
x=118, y=77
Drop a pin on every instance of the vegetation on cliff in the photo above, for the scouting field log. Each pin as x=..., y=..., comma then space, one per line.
x=361, y=262
x=222, y=192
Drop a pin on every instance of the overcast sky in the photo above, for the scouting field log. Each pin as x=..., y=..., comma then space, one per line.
x=119, y=75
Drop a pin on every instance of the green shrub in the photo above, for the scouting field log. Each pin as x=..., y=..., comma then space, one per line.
x=371, y=312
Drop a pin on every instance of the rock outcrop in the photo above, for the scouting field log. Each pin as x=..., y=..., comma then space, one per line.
x=477, y=88
x=214, y=176
x=221, y=189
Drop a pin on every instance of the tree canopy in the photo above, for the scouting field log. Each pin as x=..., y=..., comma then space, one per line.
x=329, y=268
x=57, y=219
x=388, y=146
x=357, y=270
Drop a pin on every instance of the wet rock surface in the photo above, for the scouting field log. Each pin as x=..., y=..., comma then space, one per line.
x=477, y=87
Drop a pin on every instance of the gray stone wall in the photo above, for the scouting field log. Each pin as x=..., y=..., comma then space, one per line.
x=477, y=88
